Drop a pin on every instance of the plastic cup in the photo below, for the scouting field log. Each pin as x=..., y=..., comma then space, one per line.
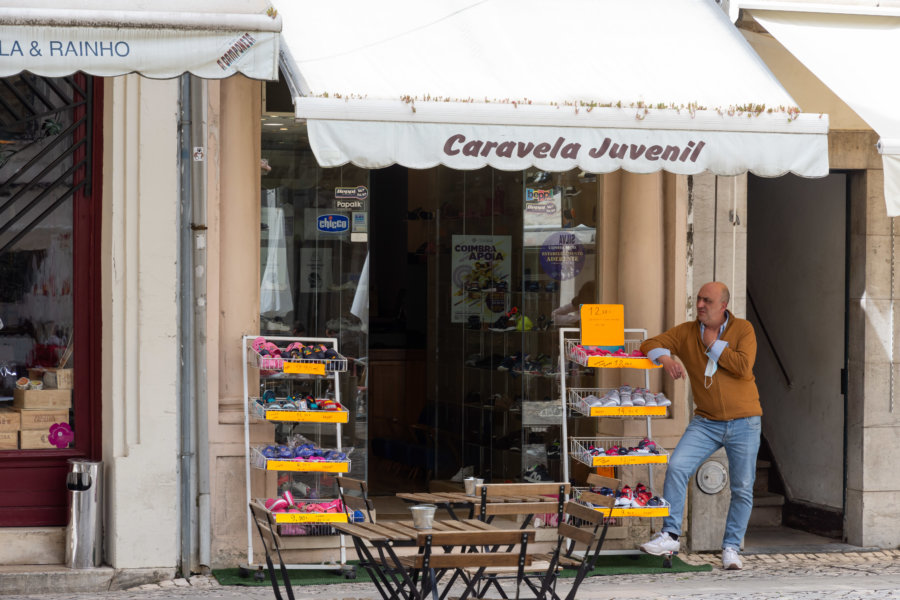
x=423, y=515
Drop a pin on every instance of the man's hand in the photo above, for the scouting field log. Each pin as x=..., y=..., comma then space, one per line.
x=672, y=367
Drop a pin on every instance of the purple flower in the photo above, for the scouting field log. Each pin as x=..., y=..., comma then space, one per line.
x=61, y=435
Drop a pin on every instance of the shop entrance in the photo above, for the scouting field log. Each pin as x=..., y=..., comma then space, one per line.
x=797, y=302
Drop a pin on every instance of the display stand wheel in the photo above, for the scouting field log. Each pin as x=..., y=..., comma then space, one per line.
x=349, y=571
x=243, y=572
x=259, y=575
x=667, y=560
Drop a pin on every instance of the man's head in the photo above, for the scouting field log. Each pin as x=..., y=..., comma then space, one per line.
x=712, y=300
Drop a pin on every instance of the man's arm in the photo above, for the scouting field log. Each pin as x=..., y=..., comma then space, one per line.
x=660, y=348
x=739, y=355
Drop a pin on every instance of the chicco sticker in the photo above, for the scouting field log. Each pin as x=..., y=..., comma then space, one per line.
x=332, y=223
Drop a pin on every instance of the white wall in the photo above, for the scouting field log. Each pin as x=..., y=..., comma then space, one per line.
x=140, y=324
x=795, y=273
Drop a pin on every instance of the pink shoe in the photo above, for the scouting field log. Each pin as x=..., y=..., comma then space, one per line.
x=258, y=343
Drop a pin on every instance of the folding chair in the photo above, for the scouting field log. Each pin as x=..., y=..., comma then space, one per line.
x=354, y=495
x=431, y=565
x=591, y=534
x=267, y=528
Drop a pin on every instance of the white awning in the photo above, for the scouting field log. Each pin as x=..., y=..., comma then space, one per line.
x=851, y=54
x=160, y=39
x=641, y=85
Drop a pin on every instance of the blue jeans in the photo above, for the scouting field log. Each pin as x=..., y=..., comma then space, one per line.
x=702, y=437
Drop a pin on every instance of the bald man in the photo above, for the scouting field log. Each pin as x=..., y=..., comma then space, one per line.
x=717, y=352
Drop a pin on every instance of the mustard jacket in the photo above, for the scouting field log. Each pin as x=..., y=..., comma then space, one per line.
x=732, y=393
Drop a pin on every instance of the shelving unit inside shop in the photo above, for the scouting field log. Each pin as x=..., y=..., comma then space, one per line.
x=292, y=383
x=582, y=402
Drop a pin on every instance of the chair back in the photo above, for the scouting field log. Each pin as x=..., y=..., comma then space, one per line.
x=515, y=556
x=355, y=496
x=521, y=498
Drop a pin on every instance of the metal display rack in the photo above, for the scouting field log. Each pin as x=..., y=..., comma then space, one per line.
x=574, y=399
x=286, y=373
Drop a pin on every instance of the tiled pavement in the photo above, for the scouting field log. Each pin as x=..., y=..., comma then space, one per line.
x=799, y=576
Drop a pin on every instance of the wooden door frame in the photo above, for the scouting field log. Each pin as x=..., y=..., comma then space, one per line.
x=40, y=474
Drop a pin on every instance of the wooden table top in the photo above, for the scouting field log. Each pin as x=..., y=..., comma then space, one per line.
x=403, y=531
x=441, y=498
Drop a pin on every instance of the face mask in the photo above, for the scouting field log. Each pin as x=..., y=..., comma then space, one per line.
x=711, y=367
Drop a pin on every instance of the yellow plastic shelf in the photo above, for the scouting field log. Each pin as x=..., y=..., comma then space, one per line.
x=628, y=459
x=308, y=416
x=317, y=466
x=281, y=517
x=620, y=362
x=651, y=511
x=627, y=411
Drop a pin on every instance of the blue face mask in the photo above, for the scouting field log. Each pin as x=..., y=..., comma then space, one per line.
x=711, y=368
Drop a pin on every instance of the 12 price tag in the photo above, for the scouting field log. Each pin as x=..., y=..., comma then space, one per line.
x=602, y=325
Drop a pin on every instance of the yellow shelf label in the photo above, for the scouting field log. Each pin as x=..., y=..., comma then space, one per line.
x=653, y=511
x=602, y=325
x=628, y=411
x=310, y=517
x=620, y=362
x=637, y=459
x=309, y=416
x=317, y=466
x=304, y=368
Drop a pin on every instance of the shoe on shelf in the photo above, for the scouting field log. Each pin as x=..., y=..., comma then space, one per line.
x=661, y=544
x=731, y=560
x=536, y=473
x=661, y=400
x=463, y=473
x=505, y=321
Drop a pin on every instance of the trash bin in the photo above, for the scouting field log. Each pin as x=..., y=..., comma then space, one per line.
x=84, y=531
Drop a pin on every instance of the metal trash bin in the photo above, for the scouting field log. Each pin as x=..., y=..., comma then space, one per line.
x=84, y=531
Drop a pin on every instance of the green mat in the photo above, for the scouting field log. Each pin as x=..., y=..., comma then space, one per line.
x=612, y=564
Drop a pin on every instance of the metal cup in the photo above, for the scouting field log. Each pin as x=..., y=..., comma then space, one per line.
x=423, y=515
x=469, y=482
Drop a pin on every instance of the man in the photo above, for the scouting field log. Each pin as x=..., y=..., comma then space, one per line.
x=718, y=351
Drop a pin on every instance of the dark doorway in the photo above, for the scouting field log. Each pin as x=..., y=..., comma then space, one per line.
x=797, y=290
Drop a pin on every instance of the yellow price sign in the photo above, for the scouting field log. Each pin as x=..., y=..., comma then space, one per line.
x=299, y=368
x=602, y=325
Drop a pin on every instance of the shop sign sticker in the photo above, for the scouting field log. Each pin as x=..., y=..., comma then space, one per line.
x=360, y=222
x=562, y=255
x=351, y=198
x=542, y=207
x=332, y=223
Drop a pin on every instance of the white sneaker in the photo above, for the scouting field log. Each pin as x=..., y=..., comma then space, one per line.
x=463, y=473
x=661, y=400
x=731, y=560
x=661, y=544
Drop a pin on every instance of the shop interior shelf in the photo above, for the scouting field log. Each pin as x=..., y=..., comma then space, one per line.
x=580, y=450
x=304, y=517
x=644, y=511
x=259, y=461
x=574, y=354
x=297, y=366
x=297, y=416
x=577, y=404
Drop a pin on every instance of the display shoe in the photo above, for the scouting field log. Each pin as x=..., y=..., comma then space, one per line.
x=463, y=473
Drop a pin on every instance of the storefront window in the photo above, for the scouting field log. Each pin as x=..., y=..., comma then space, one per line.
x=314, y=279
x=43, y=166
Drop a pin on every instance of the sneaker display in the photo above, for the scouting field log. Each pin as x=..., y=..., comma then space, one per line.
x=505, y=321
x=536, y=473
x=661, y=400
x=661, y=544
x=463, y=473
x=731, y=560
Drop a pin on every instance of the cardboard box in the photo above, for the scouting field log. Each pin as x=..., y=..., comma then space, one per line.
x=9, y=440
x=42, y=399
x=58, y=379
x=33, y=440
x=9, y=420
x=34, y=419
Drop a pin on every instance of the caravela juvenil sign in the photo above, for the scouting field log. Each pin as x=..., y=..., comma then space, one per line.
x=458, y=144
